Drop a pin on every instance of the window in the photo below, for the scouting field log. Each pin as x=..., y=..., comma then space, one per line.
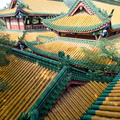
x=36, y=21
x=28, y=22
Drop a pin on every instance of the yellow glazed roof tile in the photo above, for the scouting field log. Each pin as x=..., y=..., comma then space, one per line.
x=40, y=7
x=32, y=36
x=12, y=36
x=81, y=20
x=75, y=50
x=73, y=103
x=8, y=11
x=27, y=82
x=45, y=6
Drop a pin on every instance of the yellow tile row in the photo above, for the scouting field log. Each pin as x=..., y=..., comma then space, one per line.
x=12, y=36
x=28, y=81
x=75, y=50
x=83, y=20
x=45, y=6
x=108, y=8
x=73, y=104
x=31, y=36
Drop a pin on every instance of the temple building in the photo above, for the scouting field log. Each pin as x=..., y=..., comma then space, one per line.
x=26, y=15
x=87, y=19
x=57, y=73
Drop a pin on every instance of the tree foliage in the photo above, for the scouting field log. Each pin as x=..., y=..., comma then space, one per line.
x=1, y=25
x=4, y=52
x=108, y=50
x=4, y=85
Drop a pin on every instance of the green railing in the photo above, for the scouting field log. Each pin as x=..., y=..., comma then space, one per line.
x=41, y=52
x=39, y=60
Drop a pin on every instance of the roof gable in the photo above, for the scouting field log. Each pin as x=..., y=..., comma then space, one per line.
x=89, y=7
x=81, y=6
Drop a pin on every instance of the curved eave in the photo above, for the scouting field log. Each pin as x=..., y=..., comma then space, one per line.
x=77, y=29
x=7, y=15
x=10, y=14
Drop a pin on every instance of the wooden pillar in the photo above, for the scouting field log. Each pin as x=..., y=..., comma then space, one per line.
x=76, y=35
x=31, y=19
x=18, y=24
x=8, y=26
x=21, y=24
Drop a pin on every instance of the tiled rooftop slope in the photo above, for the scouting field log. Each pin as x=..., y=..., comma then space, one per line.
x=42, y=7
x=86, y=23
x=73, y=103
x=28, y=36
x=28, y=81
x=107, y=106
x=84, y=53
x=10, y=35
x=75, y=50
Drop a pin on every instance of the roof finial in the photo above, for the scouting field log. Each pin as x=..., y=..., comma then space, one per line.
x=111, y=13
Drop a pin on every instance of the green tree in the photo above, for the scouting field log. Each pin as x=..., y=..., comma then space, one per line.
x=108, y=50
x=4, y=52
x=1, y=24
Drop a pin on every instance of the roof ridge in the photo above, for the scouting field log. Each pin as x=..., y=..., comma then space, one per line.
x=102, y=14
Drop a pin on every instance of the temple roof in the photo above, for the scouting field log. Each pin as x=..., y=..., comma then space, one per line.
x=93, y=101
x=83, y=53
x=8, y=12
x=107, y=106
x=38, y=7
x=90, y=18
x=75, y=101
x=14, y=35
x=26, y=82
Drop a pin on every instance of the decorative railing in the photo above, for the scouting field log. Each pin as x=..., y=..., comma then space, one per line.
x=39, y=60
x=83, y=76
x=30, y=27
x=39, y=26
